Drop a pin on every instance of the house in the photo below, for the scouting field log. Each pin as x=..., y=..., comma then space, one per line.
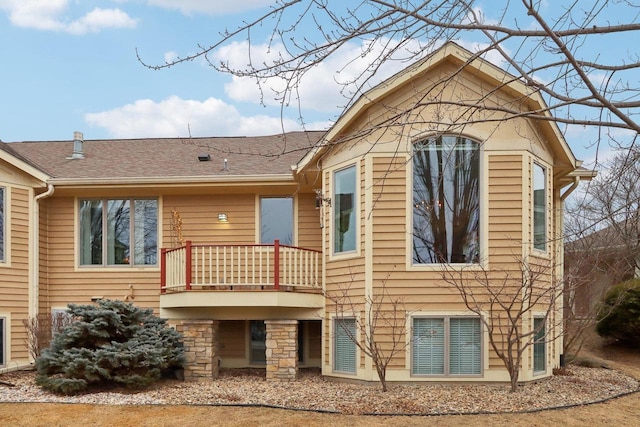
x=597, y=261
x=244, y=243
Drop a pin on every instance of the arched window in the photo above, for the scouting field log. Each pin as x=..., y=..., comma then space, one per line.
x=446, y=201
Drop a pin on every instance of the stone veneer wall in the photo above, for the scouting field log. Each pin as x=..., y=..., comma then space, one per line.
x=282, y=350
x=200, y=349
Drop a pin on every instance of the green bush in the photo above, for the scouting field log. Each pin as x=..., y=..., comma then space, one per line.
x=619, y=313
x=112, y=342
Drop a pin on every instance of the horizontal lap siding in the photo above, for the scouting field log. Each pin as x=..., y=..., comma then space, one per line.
x=14, y=286
x=505, y=207
x=309, y=231
x=345, y=277
x=390, y=281
x=200, y=224
x=233, y=339
x=68, y=284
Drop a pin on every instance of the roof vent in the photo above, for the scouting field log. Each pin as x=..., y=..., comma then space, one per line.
x=204, y=157
x=78, y=140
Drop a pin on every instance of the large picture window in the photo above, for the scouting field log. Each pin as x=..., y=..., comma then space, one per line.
x=539, y=207
x=276, y=220
x=446, y=201
x=119, y=232
x=446, y=346
x=2, y=224
x=344, y=219
x=344, y=347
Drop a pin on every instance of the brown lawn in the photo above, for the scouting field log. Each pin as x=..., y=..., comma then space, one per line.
x=624, y=411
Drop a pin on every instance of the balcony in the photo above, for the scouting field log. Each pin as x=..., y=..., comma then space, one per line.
x=240, y=276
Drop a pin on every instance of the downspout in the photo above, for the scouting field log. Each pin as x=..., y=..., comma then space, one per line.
x=35, y=244
x=574, y=185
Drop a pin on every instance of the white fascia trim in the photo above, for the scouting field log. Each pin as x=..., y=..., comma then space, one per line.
x=154, y=180
x=23, y=166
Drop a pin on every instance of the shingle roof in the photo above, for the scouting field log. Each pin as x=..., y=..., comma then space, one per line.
x=169, y=157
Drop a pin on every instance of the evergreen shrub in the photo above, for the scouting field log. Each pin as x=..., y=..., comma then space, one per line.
x=109, y=343
x=619, y=313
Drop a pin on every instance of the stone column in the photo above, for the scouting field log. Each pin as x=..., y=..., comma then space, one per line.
x=282, y=350
x=200, y=349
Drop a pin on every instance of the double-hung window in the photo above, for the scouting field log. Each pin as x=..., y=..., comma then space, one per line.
x=116, y=232
x=539, y=207
x=344, y=214
x=2, y=224
x=344, y=346
x=539, y=345
x=446, y=201
x=446, y=346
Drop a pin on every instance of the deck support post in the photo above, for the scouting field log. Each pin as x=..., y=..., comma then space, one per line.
x=201, y=349
x=282, y=350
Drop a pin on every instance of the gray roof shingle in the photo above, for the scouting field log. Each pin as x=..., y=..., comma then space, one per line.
x=169, y=157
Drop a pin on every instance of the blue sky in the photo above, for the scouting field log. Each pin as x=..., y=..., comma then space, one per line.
x=70, y=65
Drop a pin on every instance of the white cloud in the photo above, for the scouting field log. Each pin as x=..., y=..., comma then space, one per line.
x=174, y=117
x=170, y=56
x=51, y=15
x=327, y=87
x=211, y=7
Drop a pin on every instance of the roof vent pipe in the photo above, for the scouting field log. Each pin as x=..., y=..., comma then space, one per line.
x=78, y=140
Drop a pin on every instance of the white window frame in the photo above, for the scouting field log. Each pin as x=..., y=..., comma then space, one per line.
x=411, y=263
x=105, y=263
x=355, y=210
x=293, y=219
x=539, y=211
x=447, y=346
x=334, y=343
x=539, y=342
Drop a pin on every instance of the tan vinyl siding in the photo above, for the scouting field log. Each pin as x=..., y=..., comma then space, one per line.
x=390, y=220
x=66, y=282
x=69, y=283
x=200, y=218
x=504, y=206
x=233, y=339
x=309, y=231
x=14, y=290
x=345, y=272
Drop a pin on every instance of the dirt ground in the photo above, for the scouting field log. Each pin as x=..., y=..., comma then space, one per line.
x=621, y=411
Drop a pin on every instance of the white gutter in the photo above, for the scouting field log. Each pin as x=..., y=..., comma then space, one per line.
x=574, y=185
x=35, y=251
x=173, y=180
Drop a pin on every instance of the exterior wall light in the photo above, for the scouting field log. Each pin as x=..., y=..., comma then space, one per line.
x=222, y=217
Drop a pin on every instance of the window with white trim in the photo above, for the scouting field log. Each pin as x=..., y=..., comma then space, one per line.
x=539, y=207
x=344, y=346
x=276, y=220
x=446, y=346
x=2, y=224
x=539, y=345
x=119, y=232
x=344, y=215
x=446, y=201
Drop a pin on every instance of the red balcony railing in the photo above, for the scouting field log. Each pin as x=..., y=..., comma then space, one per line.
x=229, y=267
